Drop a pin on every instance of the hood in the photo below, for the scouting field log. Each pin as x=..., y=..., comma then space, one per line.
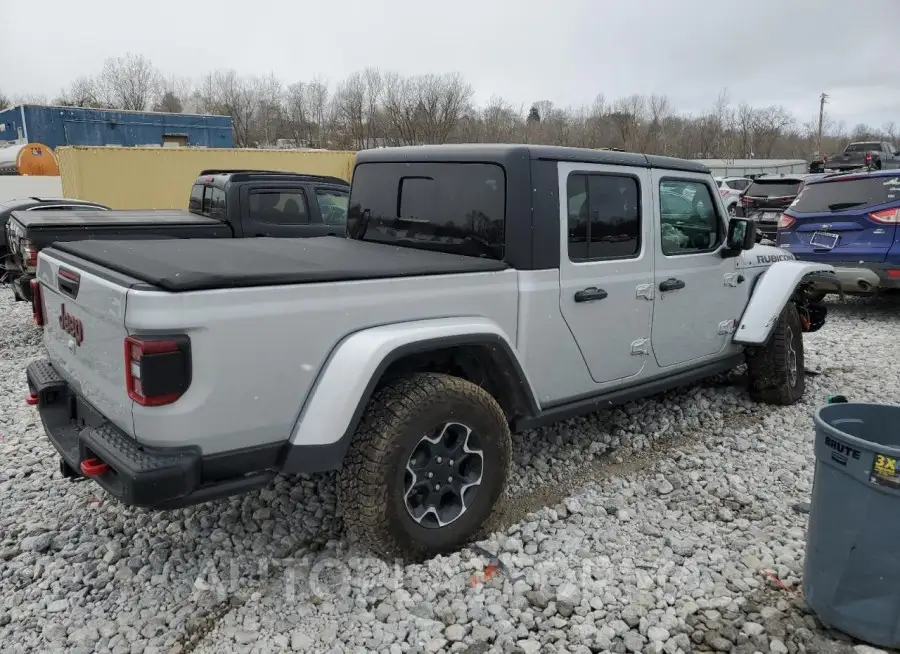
x=762, y=256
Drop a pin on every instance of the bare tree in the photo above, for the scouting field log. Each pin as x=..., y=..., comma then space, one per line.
x=358, y=102
x=84, y=92
x=235, y=96
x=131, y=81
x=29, y=98
x=174, y=92
x=323, y=111
x=501, y=121
x=4, y=101
x=371, y=108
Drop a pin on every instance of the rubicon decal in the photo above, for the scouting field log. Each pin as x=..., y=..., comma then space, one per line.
x=71, y=325
x=772, y=258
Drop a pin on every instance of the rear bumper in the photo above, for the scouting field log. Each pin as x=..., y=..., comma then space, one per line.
x=159, y=478
x=856, y=278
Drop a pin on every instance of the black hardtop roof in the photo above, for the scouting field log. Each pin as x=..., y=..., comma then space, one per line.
x=503, y=152
x=224, y=175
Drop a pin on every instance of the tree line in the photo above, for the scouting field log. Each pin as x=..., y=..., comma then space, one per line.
x=373, y=108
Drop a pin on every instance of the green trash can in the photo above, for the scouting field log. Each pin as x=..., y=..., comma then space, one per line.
x=851, y=575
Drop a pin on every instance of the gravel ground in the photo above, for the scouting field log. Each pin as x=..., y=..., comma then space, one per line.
x=645, y=529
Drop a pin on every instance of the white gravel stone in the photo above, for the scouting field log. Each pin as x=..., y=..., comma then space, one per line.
x=607, y=544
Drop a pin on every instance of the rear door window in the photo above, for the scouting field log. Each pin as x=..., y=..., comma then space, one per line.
x=853, y=193
x=279, y=207
x=604, y=217
x=450, y=207
x=217, y=203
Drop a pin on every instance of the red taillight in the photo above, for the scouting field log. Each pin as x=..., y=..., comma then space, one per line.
x=868, y=157
x=157, y=370
x=785, y=221
x=29, y=255
x=723, y=192
x=893, y=272
x=37, y=303
x=886, y=216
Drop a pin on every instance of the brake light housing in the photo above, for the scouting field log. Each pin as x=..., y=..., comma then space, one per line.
x=157, y=368
x=886, y=216
x=37, y=303
x=785, y=221
x=29, y=254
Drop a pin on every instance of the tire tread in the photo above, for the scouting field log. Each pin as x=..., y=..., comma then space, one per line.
x=362, y=491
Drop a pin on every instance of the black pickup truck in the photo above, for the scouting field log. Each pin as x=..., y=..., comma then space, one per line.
x=222, y=204
x=860, y=155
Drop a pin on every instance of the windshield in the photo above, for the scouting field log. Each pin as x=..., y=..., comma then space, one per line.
x=458, y=208
x=853, y=193
x=776, y=188
x=862, y=147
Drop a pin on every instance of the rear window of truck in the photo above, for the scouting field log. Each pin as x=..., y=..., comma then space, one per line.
x=851, y=193
x=459, y=208
x=862, y=147
x=773, y=189
x=207, y=201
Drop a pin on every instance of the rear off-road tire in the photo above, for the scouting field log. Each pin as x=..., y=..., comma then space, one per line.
x=776, y=370
x=425, y=467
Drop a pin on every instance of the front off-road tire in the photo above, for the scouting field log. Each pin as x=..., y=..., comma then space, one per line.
x=776, y=370
x=426, y=440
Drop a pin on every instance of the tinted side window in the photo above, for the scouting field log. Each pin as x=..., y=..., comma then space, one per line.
x=206, y=204
x=451, y=207
x=688, y=219
x=287, y=207
x=333, y=206
x=196, y=201
x=217, y=203
x=604, y=216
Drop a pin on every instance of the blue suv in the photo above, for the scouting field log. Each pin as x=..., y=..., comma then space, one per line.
x=850, y=222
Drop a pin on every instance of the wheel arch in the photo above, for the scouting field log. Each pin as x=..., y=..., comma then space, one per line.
x=772, y=290
x=475, y=349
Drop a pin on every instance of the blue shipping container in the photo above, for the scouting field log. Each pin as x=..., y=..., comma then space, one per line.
x=56, y=126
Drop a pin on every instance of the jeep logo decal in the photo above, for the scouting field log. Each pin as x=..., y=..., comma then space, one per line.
x=772, y=258
x=71, y=325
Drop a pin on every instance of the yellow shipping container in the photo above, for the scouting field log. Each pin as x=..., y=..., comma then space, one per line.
x=161, y=178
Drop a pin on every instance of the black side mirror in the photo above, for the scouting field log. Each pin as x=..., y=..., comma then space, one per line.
x=741, y=235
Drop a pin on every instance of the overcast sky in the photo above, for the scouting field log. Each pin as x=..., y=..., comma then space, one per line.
x=764, y=51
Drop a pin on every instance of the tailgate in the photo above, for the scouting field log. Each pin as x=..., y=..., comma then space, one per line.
x=85, y=334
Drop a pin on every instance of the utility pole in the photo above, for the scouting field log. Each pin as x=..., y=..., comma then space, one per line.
x=822, y=100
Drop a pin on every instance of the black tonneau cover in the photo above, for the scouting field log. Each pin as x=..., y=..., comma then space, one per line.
x=43, y=219
x=204, y=264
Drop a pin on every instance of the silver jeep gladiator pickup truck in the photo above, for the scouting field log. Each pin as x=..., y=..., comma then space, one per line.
x=480, y=289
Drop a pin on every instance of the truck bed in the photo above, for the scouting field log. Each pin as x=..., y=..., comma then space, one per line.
x=206, y=264
x=39, y=220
